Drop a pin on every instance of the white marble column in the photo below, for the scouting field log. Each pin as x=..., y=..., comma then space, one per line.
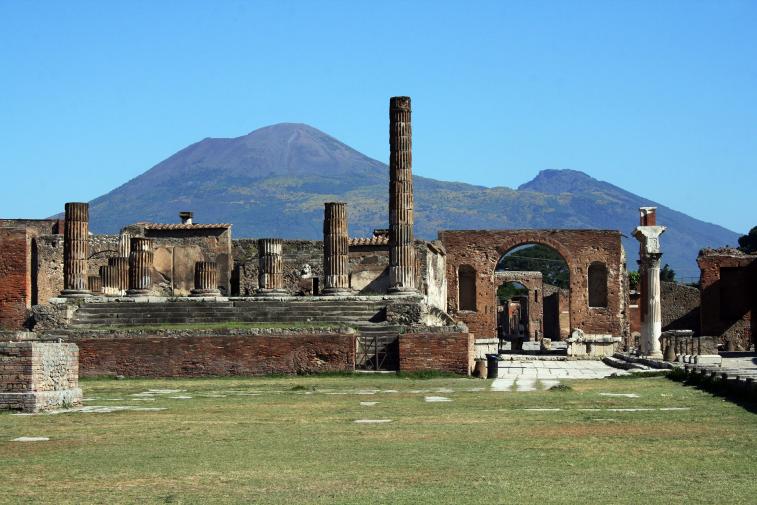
x=649, y=273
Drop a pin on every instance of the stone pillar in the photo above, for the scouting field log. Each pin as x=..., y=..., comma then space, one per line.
x=115, y=276
x=140, y=266
x=648, y=235
x=75, y=250
x=270, y=268
x=124, y=244
x=95, y=284
x=336, y=250
x=206, y=279
x=401, y=240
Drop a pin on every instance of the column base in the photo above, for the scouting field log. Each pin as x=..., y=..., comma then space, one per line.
x=76, y=293
x=336, y=292
x=399, y=290
x=271, y=293
x=137, y=292
x=205, y=292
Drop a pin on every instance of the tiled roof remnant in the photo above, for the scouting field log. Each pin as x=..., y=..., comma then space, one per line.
x=180, y=226
x=369, y=241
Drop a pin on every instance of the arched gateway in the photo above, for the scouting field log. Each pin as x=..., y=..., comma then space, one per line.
x=595, y=252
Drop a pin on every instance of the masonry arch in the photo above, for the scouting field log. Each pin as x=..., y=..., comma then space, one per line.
x=546, y=275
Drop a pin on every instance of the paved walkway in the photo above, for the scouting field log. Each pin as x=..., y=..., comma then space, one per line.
x=530, y=375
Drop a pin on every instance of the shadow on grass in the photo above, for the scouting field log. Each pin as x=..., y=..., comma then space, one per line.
x=716, y=387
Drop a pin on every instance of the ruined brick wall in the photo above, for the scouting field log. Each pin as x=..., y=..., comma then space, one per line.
x=15, y=277
x=680, y=307
x=369, y=269
x=181, y=355
x=727, y=303
x=579, y=248
x=35, y=226
x=534, y=282
x=449, y=352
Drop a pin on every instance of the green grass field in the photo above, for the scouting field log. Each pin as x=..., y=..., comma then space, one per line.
x=294, y=440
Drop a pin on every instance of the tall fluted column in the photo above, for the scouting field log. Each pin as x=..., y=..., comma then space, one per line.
x=115, y=276
x=75, y=250
x=95, y=284
x=206, y=279
x=270, y=268
x=401, y=240
x=140, y=266
x=336, y=250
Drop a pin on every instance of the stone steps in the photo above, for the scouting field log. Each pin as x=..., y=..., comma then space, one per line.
x=264, y=311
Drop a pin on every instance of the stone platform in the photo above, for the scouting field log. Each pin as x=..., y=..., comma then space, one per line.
x=37, y=376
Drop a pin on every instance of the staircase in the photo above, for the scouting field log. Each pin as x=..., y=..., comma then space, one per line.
x=318, y=310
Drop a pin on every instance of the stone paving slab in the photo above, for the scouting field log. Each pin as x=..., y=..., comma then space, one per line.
x=530, y=375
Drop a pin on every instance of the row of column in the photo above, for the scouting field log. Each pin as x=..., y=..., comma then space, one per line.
x=133, y=275
x=130, y=273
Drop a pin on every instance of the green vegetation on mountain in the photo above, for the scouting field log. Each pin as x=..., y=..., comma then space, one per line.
x=273, y=182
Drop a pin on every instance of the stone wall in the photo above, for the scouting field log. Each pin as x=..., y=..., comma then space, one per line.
x=181, y=354
x=483, y=249
x=728, y=283
x=296, y=254
x=449, y=352
x=15, y=278
x=680, y=307
x=38, y=375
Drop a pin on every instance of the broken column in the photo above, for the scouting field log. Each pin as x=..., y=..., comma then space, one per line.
x=401, y=242
x=115, y=276
x=75, y=250
x=124, y=244
x=206, y=279
x=648, y=235
x=336, y=252
x=270, y=268
x=140, y=266
x=95, y=284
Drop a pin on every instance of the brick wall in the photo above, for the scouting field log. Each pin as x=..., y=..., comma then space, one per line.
x=449, y=352
x=680, y=307
x=726, y=307
x=166, y=355
x=579, y=248
x=15, y=277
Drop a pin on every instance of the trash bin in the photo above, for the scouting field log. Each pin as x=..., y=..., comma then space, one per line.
x=492, y=366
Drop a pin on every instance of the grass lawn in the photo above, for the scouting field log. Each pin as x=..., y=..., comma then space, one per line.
x=293, y=440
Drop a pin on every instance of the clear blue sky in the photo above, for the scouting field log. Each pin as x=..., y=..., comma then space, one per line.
x=658, y=97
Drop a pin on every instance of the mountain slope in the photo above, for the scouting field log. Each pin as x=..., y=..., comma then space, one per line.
x=273, y=182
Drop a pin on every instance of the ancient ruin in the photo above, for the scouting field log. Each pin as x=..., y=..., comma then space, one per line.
x=471, y=292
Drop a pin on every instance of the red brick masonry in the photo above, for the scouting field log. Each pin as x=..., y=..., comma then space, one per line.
x=15, y=278
x=208, y=355
x=449, y=352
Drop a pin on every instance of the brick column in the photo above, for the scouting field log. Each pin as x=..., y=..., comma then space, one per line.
x=115, y=276
x=140, y=267
x=206, y=279
x=401, y=240
x=336, y=252
x=270, y=268
x=75, y=250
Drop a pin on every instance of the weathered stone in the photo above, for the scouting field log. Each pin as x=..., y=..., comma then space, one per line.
x=270, y=268
x=140, y=266
x=206, y=279
x=75, y=250
x=401, y=242
x=336, y=253
x=648, y=235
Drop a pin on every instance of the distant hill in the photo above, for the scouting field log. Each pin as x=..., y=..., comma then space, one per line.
x=273, y=182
